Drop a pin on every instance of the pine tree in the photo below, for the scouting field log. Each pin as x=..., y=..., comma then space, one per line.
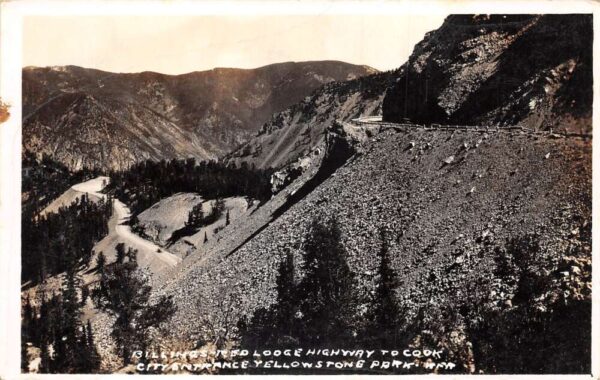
x=216, y=211
x=91, y=351
x=205, y=237
x=100, y=263
x=219, y=206
x=227, y=221
x=28, y=318
x=24, y=358
x=45, y=363
x=384, y=317
x=286, y=305
x=275, y=326
x=195, y=217
x=120, y=248
x=327, y=303
x=85, y=293
x=28, y=332
x=59, y=362
x=131, y=255
x=70, y=327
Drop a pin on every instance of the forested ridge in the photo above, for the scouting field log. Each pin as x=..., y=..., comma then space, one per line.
x=62, y=241
x=45, y=179
x=146, y=183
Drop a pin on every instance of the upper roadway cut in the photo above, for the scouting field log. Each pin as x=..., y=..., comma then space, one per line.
x=377, y=121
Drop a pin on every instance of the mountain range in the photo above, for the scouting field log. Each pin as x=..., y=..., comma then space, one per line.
x=96, y=119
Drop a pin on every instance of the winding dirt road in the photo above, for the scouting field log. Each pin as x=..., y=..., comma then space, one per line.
x=149, y=254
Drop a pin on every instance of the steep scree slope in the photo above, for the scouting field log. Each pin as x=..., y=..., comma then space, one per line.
x=444, y=221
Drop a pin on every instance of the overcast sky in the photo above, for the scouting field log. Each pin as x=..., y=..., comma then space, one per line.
x=181, y=44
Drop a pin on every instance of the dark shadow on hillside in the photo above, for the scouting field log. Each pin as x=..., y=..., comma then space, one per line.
x=339, y=151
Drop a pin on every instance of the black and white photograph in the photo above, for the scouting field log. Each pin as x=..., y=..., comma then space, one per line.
x=297, y=188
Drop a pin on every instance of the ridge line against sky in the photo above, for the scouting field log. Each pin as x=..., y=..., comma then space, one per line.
x=198, y=71
x=182, y=44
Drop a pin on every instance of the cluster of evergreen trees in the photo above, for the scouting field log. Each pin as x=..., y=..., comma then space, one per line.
x=67, y=344
x=196, y=220
x=147, y=182
x=62, y=241
x=55, y=327
x=323, y=309
x=58, y=242
x=196, y=217
x=539, y=333
x=44, y=179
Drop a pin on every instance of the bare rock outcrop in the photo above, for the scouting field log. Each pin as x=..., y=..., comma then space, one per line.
x=535, y=70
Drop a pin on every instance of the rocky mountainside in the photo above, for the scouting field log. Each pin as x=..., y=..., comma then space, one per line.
x=445, y=223
x=291, y=134
x=500, y=70
x=533, y=70
x=454, y=204
x=85, y=117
